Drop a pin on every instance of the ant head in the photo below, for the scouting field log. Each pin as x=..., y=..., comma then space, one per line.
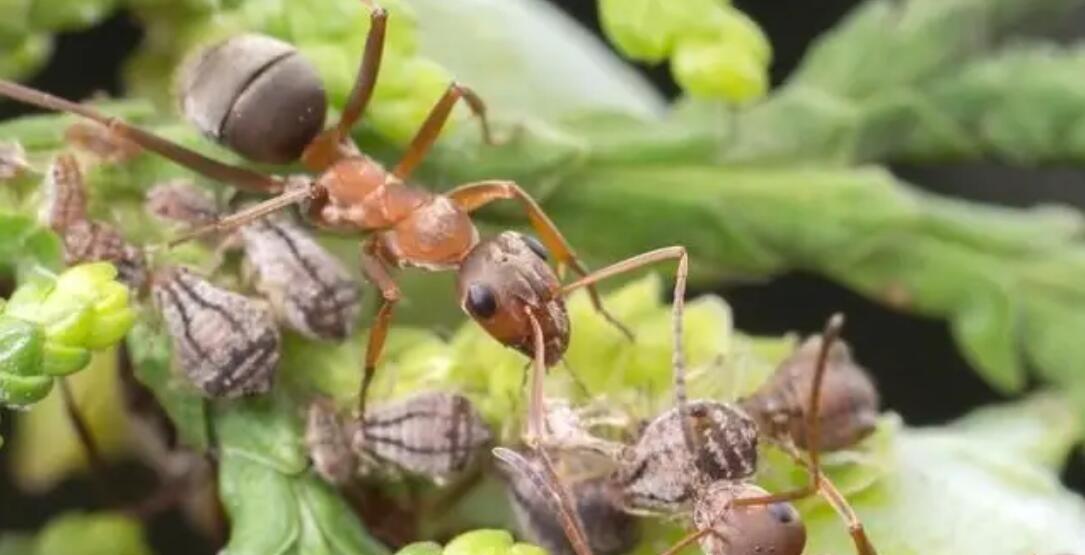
x=747, y=529
x=504, y=279
x=661, y=473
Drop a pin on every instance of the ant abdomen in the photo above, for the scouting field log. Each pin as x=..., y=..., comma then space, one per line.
x=847, y=410
x=257, y=95
x=774, y=529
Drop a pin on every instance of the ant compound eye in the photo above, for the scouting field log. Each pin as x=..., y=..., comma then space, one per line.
x=481, y=301
x=782, y=512
x=536, y=247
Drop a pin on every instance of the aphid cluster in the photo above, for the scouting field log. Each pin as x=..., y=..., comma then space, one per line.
x=435, y=435
x=708, y=478
x=309, y=289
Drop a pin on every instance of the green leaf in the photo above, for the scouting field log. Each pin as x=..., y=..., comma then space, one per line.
x=92, y=534
x=264, y=430
x=970, y=476
x=22, y=348
x=25, y=246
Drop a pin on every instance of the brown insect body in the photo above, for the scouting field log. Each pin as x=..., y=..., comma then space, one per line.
x=257, y=95
x=848, y=409
x=86, y=240
x=226, y=343
x=327, y=436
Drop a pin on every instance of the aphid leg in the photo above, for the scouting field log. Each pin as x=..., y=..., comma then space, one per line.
x=436, y=119
x=86, y=439
x=472, y=196
x=678, y=360
x=377, y=273
x=238, y=219
x=551, y=490
x=325, y=148
x=207, y=167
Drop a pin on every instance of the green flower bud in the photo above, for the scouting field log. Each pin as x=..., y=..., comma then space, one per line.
x=487, y=542
x=719, y=70
x=421, y=548
x=93, y=534
x=22, y=346
x=81, y=310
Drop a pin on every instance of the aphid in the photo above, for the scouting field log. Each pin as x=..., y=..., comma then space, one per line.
x=610, y=530
x=226, y=343
x=309, y=289
x=437, y=435
x=261, y=98
x=100, y=142
x=12, y=160
x=327, y=436
x=698, y=458
x=848, y=408
x=86, y=240
x=180, y=200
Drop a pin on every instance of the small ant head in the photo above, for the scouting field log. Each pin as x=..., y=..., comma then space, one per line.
x=748, y=529
x=847, y=410
x=256, y=95
x=660, y=472
x=505, y=278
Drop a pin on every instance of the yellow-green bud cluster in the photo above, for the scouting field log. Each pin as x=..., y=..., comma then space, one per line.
x=477, y=542
x=51, y=324
x=715, y=50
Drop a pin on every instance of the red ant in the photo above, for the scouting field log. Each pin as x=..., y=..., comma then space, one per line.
x=504, y=283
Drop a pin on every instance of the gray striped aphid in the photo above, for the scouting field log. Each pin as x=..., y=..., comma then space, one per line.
x=698, y=459
x=436, y=435
x=848, y=409
x=227, y=344
x=12, y=160
x=610, y=530
x=309, y=289
x=86, y=240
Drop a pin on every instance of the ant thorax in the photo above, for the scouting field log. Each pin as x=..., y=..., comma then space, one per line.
x=227, y=344
x=660, y=472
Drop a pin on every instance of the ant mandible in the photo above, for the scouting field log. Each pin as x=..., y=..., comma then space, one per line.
x=504, y=283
